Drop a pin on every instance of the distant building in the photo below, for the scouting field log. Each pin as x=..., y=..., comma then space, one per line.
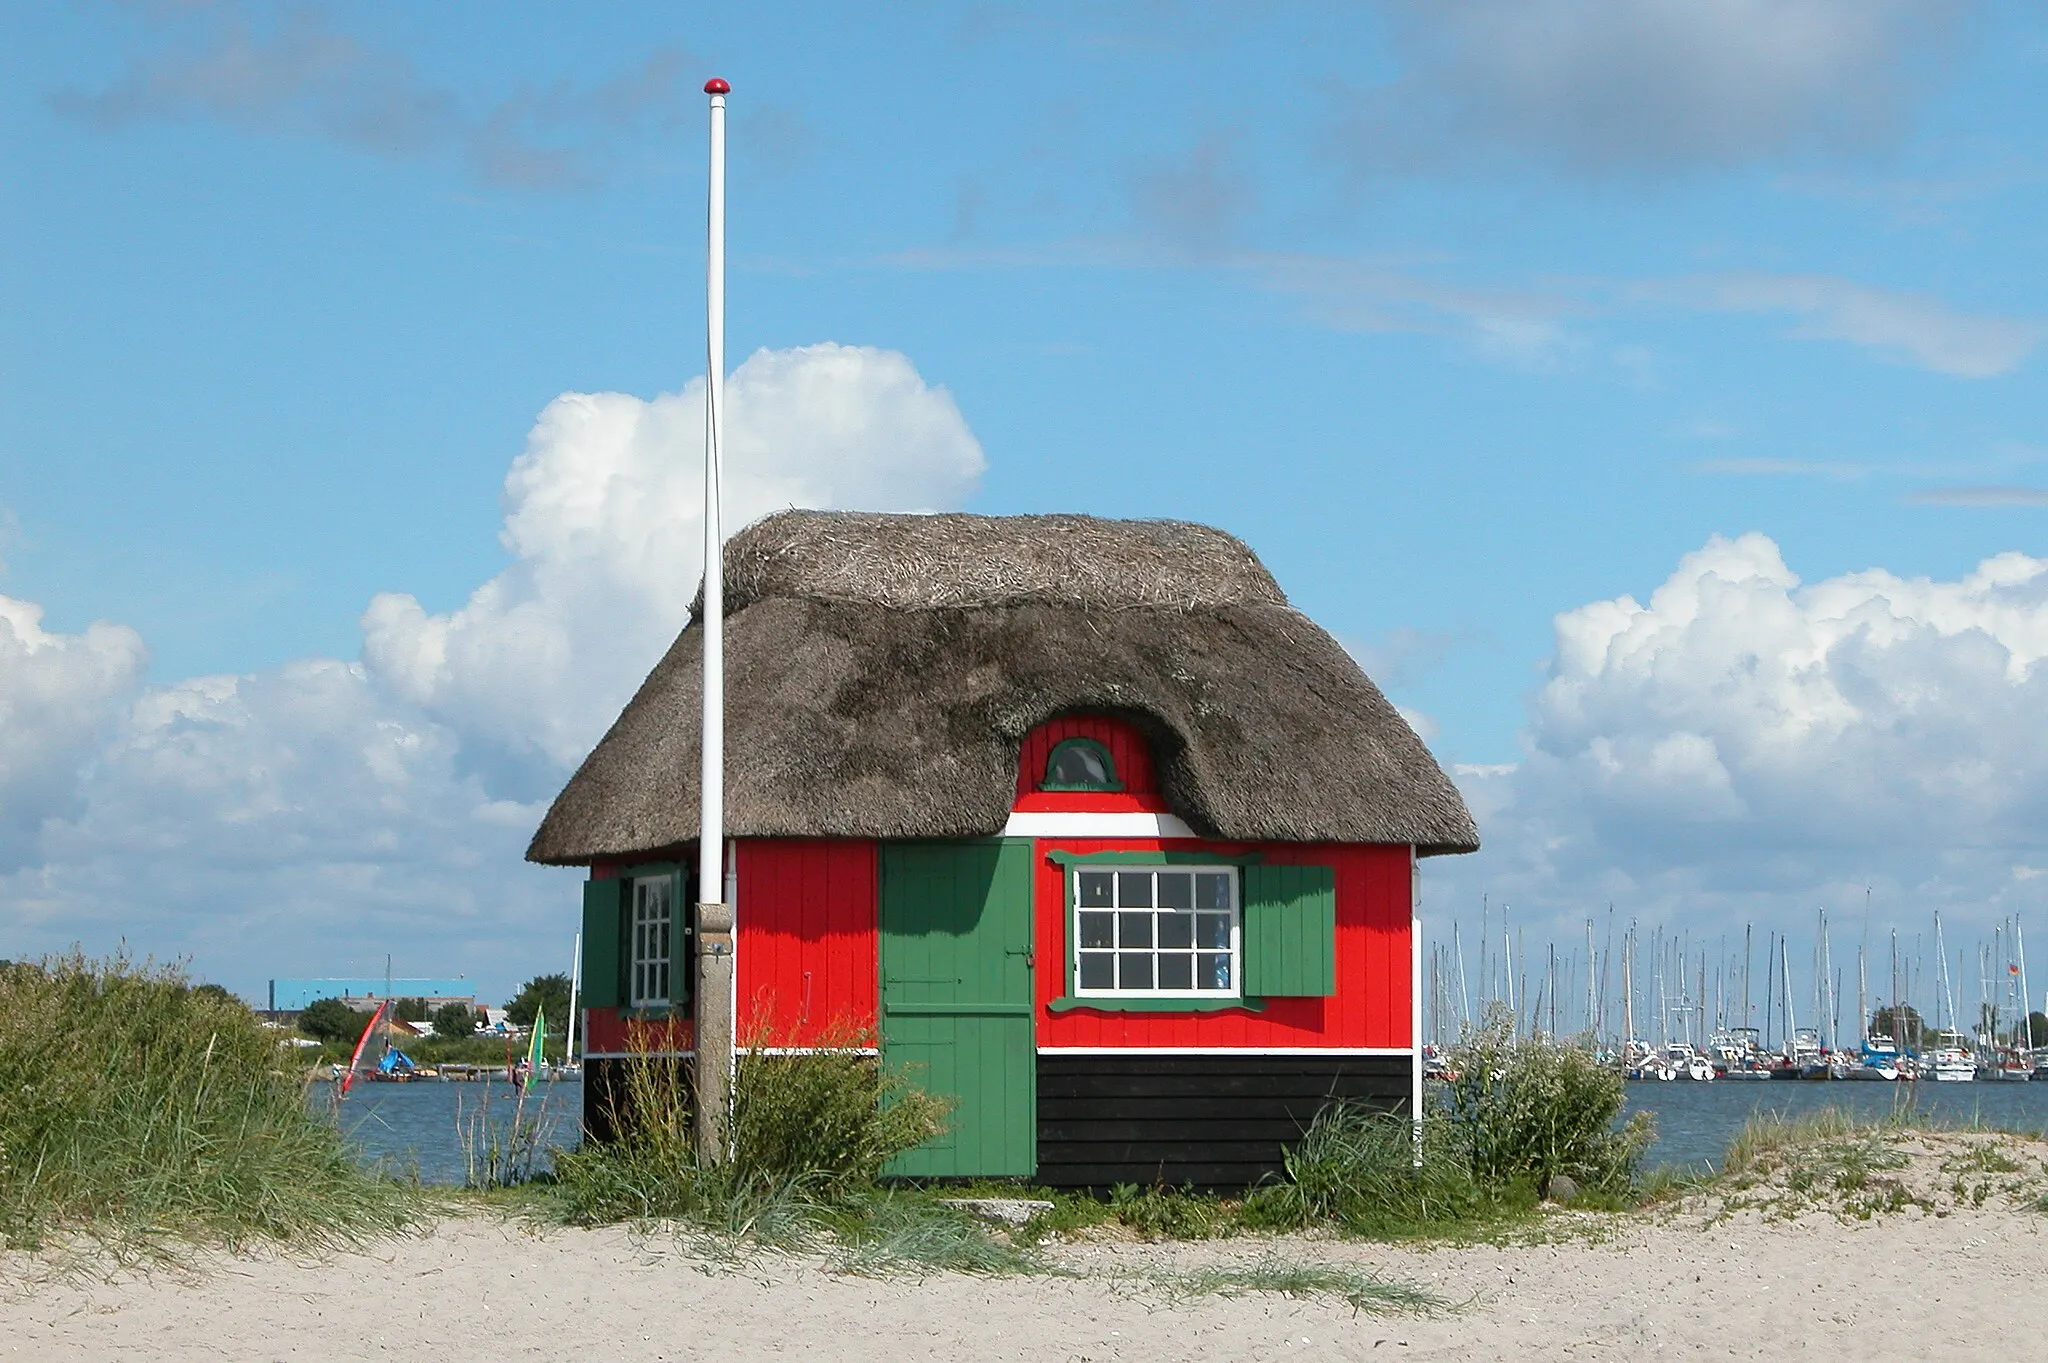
x=292, y=996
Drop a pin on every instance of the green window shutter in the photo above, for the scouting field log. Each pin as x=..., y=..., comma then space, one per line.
x=1290, y=931
x=603, y=912
x=682, y=942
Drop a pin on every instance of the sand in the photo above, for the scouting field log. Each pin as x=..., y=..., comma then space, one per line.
x=1696, y=1280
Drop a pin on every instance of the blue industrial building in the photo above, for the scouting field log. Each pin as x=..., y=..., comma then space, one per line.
x=292, y=996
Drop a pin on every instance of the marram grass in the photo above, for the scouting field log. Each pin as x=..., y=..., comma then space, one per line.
x=807, y=1135
x=138, y=1113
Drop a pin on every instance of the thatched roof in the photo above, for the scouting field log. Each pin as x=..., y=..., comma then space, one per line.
x=882, y=670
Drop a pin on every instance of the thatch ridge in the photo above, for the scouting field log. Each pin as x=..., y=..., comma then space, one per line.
x=853, y=710
x=958, y=560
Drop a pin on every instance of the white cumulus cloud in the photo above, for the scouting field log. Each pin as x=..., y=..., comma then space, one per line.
x=308, y=819
x=1745, y=740
x=59, y=694
x=604, y=519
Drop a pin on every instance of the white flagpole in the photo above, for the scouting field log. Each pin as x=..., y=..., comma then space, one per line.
x=714, y=1019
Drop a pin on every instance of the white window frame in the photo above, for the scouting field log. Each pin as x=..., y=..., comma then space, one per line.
x=1075, y=949
x=651, y=942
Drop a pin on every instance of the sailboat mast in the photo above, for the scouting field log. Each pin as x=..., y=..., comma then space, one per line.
x=1628, y=990
x=1748, y=1019
x=2019, y=942
x=1699, y=1005
x=1770, y=986
x=1791, y=1019
x=1606, y=955
x=1485, y=960
x=1862, y=1002
x=575, y=985
x=1898, y=1029
x=1948, y=991
x=1592, y=1000
x=1507, y=946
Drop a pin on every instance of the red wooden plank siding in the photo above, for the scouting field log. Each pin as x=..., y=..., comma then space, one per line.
x=807, y=925
x=605, y=1033
x=1127, y=748
x=1370, y=1007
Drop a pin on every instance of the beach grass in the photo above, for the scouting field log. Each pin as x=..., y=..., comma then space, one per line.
x=138, y=1112
x=894, y=1231
x=1858, y=1168
x=807, y=1135
x=1366, y=1293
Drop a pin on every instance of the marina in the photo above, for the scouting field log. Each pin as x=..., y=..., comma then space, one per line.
x=1680, y=1007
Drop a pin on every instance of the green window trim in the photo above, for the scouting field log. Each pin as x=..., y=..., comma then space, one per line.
x=1239, y=1000
x=1157, y=859
x=1107, y=1004
x=1287, y=932
x=1113, y=785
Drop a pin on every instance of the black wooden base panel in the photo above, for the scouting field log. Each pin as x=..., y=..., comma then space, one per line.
x=1214, y=1121
x=608, y=1098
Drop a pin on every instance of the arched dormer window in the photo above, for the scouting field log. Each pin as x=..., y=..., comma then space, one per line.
x=1080, y=764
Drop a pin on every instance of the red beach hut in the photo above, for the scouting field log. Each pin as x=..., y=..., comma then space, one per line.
x=1076, y=820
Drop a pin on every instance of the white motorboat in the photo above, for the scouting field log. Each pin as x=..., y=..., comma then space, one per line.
x=1953, y=1065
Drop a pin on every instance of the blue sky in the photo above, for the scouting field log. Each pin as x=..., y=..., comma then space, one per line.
x=1466, y=317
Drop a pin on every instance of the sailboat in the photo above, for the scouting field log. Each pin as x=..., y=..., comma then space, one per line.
x=355, y=1057
x=1951, y=1061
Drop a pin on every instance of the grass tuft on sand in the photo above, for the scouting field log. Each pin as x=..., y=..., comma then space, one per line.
x=1856, y=1169
x=1366, y=1293
x=137, y=1112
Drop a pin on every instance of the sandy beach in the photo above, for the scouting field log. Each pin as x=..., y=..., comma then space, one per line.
x=1696, y=1280
x=1959, y=1288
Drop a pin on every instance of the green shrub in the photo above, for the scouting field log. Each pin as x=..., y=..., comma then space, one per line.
x=454, y=1022
x=1524, y=1109
x=542, y=992
x=135, y=1109
x=827, y=1119
x=1162, y=1214
x=1520, y=1113
x=1357, y=1168
x=806, y=1132
x=332, y=1021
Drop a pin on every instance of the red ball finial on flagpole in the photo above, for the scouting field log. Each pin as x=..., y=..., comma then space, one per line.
x=715, y=86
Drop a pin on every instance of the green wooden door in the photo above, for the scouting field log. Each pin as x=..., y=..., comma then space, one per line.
x=956, y=999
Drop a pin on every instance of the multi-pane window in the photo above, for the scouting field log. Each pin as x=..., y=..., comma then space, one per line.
x=1156, y=931
x=653, y=919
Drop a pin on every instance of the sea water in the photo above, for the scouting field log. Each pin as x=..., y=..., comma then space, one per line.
x=427, y=1126
x=1696, y=1121
x=420, y=1126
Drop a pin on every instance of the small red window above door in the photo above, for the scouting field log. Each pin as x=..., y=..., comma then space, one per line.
x=1093, y=763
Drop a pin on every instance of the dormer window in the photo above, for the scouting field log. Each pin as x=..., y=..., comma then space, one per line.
x=1080, y=764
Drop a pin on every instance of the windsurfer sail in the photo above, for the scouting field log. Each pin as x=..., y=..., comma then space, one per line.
x=355, y=1058
x=529, y=1069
